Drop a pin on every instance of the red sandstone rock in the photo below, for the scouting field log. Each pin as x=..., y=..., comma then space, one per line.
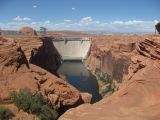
x=28, y=31
x=86, y=97
x=138, y=95
x=17, y=73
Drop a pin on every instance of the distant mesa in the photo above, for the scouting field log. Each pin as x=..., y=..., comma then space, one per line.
x=158, y=27
x=28, y=31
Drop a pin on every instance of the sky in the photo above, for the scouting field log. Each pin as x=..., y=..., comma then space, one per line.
x=81, y=15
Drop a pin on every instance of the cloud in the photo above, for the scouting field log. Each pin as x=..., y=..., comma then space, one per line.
x=84, y=24
x=67, y=21
x=35, y=6
x=20, y=19
x=27, y=19
x=133, y=25
x=33, y=23
x=86, y=20
x=73, y=8
x=47, y=22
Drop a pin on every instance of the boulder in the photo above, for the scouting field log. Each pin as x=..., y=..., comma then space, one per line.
x=86, y=97
x=28, y=31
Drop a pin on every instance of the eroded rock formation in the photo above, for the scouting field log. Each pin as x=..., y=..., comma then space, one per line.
x=28, y=31
x=46, y=56
x=16, y=73
x=137, y=97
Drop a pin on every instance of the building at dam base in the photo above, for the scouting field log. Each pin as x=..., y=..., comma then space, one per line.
x=71, y=48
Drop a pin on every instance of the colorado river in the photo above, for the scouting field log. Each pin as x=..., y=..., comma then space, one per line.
x=78, y=76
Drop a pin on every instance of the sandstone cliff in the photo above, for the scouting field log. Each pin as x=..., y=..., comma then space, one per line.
x=135, y=61
x=46, y=56
x=16, y=73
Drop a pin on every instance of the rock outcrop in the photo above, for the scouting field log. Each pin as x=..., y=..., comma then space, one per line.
x=137, y=96
x=16, y=73
x=46, y=56
x=40, y=51
x=112, y=56
x=28, y=31
x=158, y=27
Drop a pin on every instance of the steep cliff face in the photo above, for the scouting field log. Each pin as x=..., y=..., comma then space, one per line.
x=46, y=56
x=40, y=51
x=110, y=61
x=112, y=57
x=137, y=94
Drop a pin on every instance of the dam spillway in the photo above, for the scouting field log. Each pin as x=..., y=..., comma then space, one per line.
x=72, y=48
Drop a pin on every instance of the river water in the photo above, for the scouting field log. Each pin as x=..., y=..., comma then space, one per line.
x=77, y=75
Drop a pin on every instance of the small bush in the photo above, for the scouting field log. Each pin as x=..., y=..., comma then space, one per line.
x=37, y=102
x=5, y=113
x=47, y=113
x=22, y=99
x=34, y=104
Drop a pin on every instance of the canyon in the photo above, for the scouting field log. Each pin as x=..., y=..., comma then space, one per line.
x=132, y=61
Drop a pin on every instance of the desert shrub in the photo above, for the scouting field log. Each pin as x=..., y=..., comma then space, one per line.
x=22, y=99
x=47, y=113
x=5, y=113
x=34, y=104
x=37, y=102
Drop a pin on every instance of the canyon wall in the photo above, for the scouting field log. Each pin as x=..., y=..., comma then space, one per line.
x=135, y=62
x=46, y=56
x=41, y=52
x=17, y=73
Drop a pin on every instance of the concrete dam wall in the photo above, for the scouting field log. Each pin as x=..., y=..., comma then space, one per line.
x=73, y=48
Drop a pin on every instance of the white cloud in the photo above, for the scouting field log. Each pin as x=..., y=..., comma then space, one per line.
x=18, y=18
x=73, y=8
x=117, y=22
x=86, y=20
x=34, y=6
x=33, y=23
x=67, y=21
x=21, y=19
x=85, y=23
x=27, y=19
x=47, y=22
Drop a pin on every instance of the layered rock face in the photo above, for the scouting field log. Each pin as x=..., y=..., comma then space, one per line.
x=41, y=52
x=112, y=56
x=16, y=73
x=137, y=96
x=46, y=56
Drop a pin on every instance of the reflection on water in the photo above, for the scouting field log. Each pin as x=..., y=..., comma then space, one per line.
x=77, y=75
